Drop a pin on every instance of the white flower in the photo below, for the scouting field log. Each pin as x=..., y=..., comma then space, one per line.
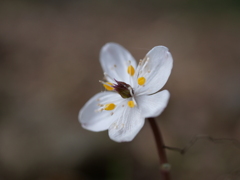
x=132, y=92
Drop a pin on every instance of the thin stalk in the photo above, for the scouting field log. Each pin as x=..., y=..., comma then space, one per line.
x=164, y=165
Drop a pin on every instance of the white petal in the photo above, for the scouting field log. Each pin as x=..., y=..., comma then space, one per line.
x=94, y=120
x=126, y=127
x=156, y=71
x=115, y=60
x=153, y=105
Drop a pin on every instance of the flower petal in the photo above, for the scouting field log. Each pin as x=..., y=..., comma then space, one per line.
x=157, y=68
x=115, y=60
x=126, y=127
x=92, y=118
x=153, y=105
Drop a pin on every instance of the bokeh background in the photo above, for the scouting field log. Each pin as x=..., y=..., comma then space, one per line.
x=49, y=67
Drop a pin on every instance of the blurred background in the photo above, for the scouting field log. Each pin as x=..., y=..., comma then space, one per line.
x=49, y=67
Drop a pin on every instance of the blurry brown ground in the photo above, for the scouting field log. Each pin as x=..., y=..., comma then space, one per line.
x=49, y=68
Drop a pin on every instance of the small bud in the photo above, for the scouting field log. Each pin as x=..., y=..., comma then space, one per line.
x=166, y=167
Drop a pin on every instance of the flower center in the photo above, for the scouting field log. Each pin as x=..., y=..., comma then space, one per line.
x=124, y=89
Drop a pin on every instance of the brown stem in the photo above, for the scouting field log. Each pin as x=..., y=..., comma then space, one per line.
x=164, y=165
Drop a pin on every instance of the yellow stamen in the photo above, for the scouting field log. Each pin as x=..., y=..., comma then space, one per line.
x=131, y=104
x=109, y=107
x=131, y=70
x=141, y=81
x=109, y=88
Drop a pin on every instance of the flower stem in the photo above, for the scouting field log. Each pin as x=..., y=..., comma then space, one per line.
x=164, y=165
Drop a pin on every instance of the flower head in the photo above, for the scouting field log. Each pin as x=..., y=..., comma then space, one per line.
x=132, y=92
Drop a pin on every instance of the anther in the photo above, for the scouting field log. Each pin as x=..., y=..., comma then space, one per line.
x=131, y=104
x=141, y=81
x=109, y=107
x=131, y=70
x=107, y=85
